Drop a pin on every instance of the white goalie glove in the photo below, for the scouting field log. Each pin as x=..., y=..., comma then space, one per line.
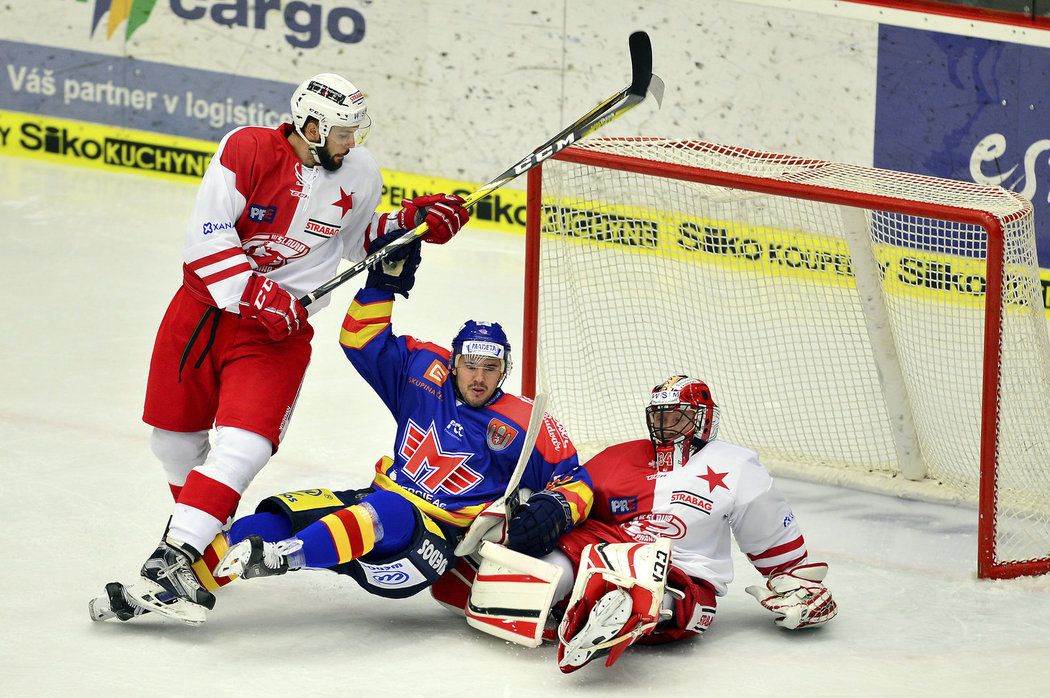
x=798, y=597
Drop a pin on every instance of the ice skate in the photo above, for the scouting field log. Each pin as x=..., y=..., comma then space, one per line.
x=169, y=587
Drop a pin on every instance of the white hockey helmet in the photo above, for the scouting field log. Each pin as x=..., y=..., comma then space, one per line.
x=333, y=101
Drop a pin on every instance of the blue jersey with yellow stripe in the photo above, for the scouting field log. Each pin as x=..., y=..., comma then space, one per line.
x=450, y=459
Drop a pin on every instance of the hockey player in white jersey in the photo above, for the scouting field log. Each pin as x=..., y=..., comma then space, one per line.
x=675, y=498
x=276, y=211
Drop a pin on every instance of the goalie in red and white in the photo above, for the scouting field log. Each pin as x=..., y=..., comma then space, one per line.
x=652, y=558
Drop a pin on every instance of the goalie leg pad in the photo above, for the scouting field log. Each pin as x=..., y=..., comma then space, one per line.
x=692, y=603
x=453, y=588
x=511, y=595
x=615, y=601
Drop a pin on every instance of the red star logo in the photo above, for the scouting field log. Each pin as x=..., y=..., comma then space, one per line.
x=345, y=202
x=714, y=479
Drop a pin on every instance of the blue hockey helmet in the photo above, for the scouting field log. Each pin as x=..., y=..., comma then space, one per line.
x=482, y=339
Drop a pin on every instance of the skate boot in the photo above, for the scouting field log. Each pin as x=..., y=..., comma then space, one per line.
x=169, y=587
x=253, y=557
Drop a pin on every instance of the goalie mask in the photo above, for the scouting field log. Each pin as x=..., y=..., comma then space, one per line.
x=476, y=341
x=333, y=101
x=682, y=417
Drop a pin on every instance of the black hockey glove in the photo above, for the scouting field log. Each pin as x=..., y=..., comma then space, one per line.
x=536, y=526
x=397, y=271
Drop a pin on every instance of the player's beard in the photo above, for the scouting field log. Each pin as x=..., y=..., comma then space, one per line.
x=327, y=160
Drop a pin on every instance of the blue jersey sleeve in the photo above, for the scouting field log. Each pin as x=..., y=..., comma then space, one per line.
x=368, y=340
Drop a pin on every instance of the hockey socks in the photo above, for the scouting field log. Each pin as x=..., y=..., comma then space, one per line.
x=204, y=567
x=268, y=526
x=340, y=537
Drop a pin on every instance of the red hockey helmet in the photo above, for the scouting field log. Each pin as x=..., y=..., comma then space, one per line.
x=681, y=411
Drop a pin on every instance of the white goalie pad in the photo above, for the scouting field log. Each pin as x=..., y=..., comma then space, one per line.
x=615, y=600
x=511, y=595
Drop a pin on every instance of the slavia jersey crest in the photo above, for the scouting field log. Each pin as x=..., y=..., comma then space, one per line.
x=649, y=527
x=270, y=251
x=432, y=468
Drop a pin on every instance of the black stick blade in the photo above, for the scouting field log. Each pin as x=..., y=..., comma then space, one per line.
x=641, y=63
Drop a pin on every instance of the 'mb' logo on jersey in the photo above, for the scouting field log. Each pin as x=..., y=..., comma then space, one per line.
x=432, y=468
x=623, y=505
x=262, y=214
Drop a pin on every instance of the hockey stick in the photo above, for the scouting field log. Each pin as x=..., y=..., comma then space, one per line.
x=500, y=511
x=643, y=82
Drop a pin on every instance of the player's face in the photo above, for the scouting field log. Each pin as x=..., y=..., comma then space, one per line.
x=667, y=424
x=477, y=378
x=340, y=141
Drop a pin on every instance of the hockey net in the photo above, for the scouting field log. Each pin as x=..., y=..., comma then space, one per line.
x=857, y=326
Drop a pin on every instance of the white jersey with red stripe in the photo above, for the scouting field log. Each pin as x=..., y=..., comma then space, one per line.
x=259, y=209
x=722, y=489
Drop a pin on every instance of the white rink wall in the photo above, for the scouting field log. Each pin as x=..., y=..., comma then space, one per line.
x=459, y=91
x=462, y=89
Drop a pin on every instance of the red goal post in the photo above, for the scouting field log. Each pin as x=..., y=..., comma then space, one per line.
x=863, y=327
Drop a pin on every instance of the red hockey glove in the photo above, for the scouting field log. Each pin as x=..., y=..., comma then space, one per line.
x=271, y=305
x=444, y=214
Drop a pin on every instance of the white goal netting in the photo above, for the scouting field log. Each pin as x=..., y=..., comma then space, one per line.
x=838, y=313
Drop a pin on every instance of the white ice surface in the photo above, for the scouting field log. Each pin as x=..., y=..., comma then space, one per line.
x=90, y=262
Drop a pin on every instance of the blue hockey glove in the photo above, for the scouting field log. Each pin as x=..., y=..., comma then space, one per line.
x=536, y=526
x=397, y=271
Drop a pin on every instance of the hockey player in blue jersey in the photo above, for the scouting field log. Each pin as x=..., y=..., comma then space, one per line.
x=458, y=439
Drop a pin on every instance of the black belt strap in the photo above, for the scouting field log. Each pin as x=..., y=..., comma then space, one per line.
x=214, y=313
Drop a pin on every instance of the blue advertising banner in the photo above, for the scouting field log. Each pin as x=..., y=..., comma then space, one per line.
x=967, y=109
x=136, y=94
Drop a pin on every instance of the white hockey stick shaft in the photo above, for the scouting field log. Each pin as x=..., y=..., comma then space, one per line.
x=643, y=82
x=539, y=408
